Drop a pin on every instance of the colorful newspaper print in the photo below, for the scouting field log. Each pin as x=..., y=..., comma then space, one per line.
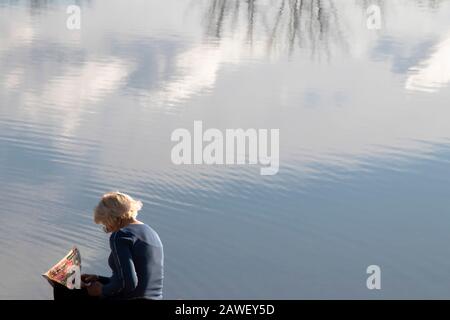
x=67, y=271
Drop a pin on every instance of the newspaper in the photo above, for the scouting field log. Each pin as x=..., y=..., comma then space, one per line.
x=67, y=271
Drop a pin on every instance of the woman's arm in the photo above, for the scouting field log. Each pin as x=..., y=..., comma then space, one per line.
x=124, y=280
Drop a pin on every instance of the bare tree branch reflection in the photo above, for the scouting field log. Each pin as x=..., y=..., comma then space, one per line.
x=285, y=25
x=313, y=26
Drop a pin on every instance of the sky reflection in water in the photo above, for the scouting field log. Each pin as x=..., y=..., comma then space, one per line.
x=363, y=117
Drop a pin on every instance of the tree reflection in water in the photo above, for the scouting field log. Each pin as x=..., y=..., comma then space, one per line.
x=314, y=26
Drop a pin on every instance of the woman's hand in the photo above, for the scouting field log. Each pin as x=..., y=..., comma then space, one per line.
x=95, y=289
x=86, y=278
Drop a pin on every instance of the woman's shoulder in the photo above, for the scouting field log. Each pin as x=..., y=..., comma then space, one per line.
x=136, y=231
x=122, y=233
x=145, y=233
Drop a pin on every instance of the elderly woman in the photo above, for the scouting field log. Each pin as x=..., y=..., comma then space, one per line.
x=136, y=259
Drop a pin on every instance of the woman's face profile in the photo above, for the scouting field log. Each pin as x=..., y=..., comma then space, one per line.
x=108, y=227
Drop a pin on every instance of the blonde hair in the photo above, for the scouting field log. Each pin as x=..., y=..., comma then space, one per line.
x=114, y=208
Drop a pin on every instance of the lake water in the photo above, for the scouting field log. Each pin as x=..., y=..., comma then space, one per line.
x=364, y=119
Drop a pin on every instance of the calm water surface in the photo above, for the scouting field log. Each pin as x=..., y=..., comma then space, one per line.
x=364, y=142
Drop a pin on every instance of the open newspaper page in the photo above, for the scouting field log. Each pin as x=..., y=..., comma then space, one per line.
x=67, y=271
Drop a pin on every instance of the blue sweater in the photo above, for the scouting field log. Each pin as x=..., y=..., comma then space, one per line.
x=137, y=263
